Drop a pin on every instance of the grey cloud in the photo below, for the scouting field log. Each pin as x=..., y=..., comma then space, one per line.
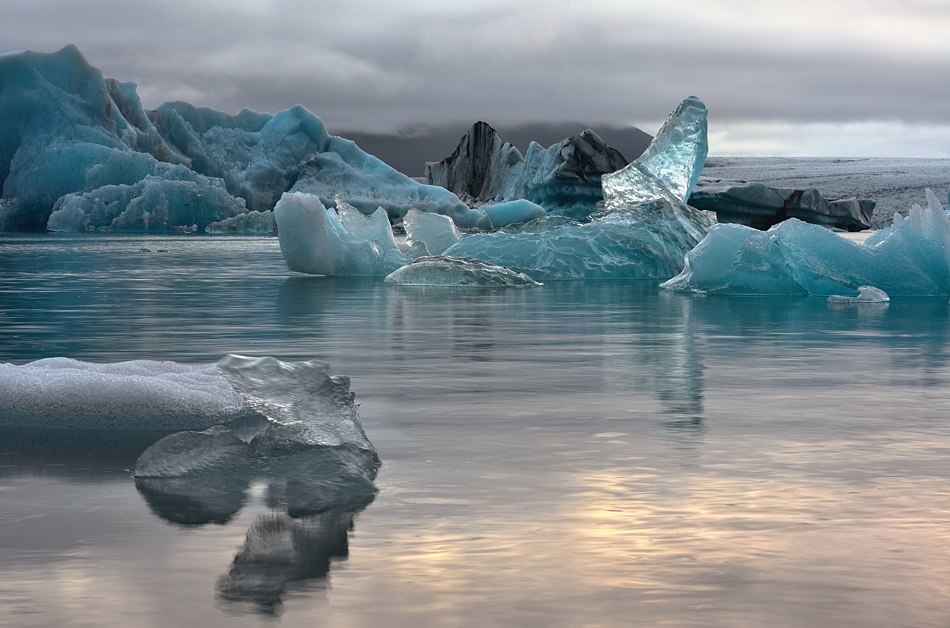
x=372, y=65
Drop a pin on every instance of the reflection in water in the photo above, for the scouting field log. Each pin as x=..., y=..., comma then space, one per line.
x=314, y=494
x=281, y=553
x=194, y=501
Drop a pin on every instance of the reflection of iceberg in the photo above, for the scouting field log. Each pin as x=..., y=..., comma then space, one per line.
x=311, y=451
x=910, y=258
x=644, y=232
x=280, y=552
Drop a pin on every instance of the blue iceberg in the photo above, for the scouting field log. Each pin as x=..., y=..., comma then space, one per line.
x=909, y=258
x=78, y=152
x=644, y=230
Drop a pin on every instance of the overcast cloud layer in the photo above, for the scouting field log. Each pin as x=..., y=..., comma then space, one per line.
x=811, y=77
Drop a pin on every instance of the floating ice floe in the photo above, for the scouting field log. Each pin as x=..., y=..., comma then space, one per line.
x=866, y=294
x=909, y=258
x=644, y=231
x=145, y=395
x=454, y=271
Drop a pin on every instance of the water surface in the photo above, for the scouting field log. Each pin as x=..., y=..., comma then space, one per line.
x=587, y=453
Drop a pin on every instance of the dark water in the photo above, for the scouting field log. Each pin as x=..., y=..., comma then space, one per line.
x=584, y=454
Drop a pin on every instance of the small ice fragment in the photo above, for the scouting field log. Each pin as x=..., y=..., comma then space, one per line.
x=866, y=294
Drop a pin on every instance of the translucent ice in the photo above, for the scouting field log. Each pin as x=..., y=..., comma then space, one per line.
x=910, y=258
x=498, y=215
x=429, y=234
x=461, y=272
x=315, y=240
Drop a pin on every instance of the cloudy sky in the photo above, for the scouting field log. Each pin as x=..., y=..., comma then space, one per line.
x=809, y=77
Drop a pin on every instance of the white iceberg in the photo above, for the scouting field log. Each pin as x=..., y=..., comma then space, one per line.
x=315, y=239
x=866, y=294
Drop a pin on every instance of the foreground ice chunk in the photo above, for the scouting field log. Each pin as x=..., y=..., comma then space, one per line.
x=139, y=395
x=315, y=240
x=866, y=294
x=910, y=258
x=429, y=234
x=311, y=407
x=460, y=272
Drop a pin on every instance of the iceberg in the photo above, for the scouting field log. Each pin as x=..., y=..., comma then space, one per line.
x=909, y=258
x=79, y=152
x=482, y=169
x=459, y=272
x=308, y=405
x=866, y=294
x=761, y=206
x=563, y=178
x=497, y=215
x=317, y=240
x=644, y=231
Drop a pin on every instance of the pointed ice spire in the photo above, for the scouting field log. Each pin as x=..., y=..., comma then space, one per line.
x=675, y=158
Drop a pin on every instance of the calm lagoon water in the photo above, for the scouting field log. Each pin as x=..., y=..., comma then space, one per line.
x=583, y=454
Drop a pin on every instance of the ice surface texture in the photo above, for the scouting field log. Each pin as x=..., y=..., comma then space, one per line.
x=910, y=258
x=644, y=232
x=308, y=406
x=78, y=152
x=454, y=271
x=140, y=395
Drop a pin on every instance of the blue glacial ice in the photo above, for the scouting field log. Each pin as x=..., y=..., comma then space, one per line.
x=516, y=212
x=318, y=240
x=79, y=152
x=909, y=258
x=644, y=231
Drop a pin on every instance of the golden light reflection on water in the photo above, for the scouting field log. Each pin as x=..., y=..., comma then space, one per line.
x=785, y=550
